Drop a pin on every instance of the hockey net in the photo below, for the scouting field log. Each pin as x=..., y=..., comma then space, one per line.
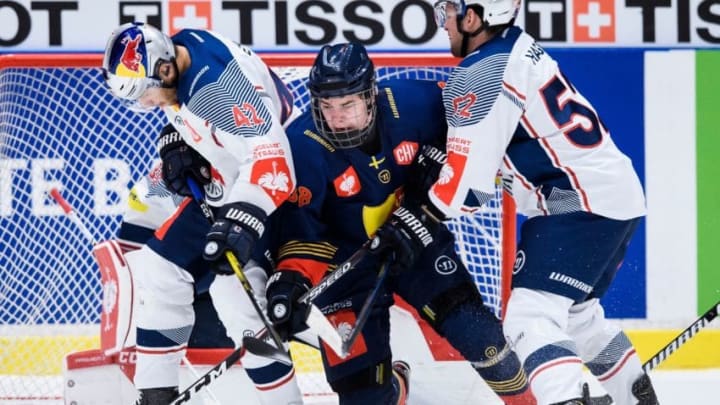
x=59, y=127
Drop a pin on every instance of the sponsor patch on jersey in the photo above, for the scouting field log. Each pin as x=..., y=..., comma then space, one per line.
x=447, y=184
x=348, y=183
x=445, y=265
x=405, y=152
x=300, y=196
x=343, y=321
x=384, y=176
x=273, y=175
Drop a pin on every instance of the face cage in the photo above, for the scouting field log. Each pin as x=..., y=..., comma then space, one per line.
x=440, y=13
x=351, y=138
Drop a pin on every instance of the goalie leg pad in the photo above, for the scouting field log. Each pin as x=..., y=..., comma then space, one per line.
x=605, y=349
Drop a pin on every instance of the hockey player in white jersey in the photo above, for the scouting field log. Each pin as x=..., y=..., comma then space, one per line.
x=509, y=108
x=229, y=109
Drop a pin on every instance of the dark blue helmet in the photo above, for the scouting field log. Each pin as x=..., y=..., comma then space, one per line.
x=343, y=70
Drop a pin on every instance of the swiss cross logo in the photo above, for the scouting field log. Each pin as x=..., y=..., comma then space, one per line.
x=273, y=175
x=347, y=184
x=344, y=321
x=594, y=20
x=189, y=14
x=447, y=184
x=405, y=152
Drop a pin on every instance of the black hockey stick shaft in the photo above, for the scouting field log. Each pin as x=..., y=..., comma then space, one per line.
x=213, y=374
x=365, y=310
x=682, y=338
x=323, y=327
x=237, y=269
x=334, y=276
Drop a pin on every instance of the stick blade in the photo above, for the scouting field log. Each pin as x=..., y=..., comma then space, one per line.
x=261, y=348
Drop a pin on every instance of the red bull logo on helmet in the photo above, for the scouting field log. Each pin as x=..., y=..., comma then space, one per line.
x=132, y=58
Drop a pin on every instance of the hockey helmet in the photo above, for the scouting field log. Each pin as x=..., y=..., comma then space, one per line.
x=342, y=70
x=132, y=56
x=494, y=12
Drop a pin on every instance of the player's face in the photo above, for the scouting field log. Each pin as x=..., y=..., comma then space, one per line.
x=345, y=113
x=157, y=97
x=446, y=18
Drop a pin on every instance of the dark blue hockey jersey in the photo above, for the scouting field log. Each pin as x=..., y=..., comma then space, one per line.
x=343, y=196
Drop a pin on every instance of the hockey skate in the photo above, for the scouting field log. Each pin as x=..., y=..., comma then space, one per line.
x=157, y=396
x=587, y=400
x=402, y=371
x=643, y=390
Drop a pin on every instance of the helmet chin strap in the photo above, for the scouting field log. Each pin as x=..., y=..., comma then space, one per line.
x=467, y=35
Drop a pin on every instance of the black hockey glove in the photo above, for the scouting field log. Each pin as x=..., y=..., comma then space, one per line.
x=425, y=170
x=285, y=312
x=237, y=228
x=402, y=238
x=180, y=161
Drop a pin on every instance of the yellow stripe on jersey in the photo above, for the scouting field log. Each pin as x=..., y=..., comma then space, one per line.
x=323, y=250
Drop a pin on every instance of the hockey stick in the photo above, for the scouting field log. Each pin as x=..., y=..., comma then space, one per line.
x=365, y=310
x=55, y=194
x=682, y=338
x=237, y=269
x=316, y=320
x=213, y=374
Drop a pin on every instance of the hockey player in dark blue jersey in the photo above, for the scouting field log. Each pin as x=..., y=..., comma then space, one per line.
x=356, y=159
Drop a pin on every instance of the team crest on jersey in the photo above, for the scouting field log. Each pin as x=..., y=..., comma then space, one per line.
x=343, y=321
x=405, y=152
x=273, y=175
x=348, y=183
x=449, y=180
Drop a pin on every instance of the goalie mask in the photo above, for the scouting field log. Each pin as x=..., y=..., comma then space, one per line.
x=342, y=94
x=132, y=56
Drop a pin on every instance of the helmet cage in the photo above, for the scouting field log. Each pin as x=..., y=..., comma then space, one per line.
x=494, y=12
x=343, y=70
x=346, y=138
x=132, y=58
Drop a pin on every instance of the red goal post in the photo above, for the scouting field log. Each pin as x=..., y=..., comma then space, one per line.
x=60, y=127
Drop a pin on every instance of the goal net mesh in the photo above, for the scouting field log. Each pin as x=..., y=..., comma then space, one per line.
x=60, y=127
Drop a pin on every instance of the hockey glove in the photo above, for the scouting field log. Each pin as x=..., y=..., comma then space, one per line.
x=284, y=288
x=402, y=238
x=237, y=228
x=425, y=170
x=180, y=161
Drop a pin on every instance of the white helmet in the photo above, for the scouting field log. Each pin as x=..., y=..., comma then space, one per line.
x=495, y=12
x=132, y=55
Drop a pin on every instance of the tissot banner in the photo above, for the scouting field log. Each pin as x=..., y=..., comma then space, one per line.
x=291, y=25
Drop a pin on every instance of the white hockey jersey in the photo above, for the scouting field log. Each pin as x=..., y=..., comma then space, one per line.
x=231, y=110
x=510, y=109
